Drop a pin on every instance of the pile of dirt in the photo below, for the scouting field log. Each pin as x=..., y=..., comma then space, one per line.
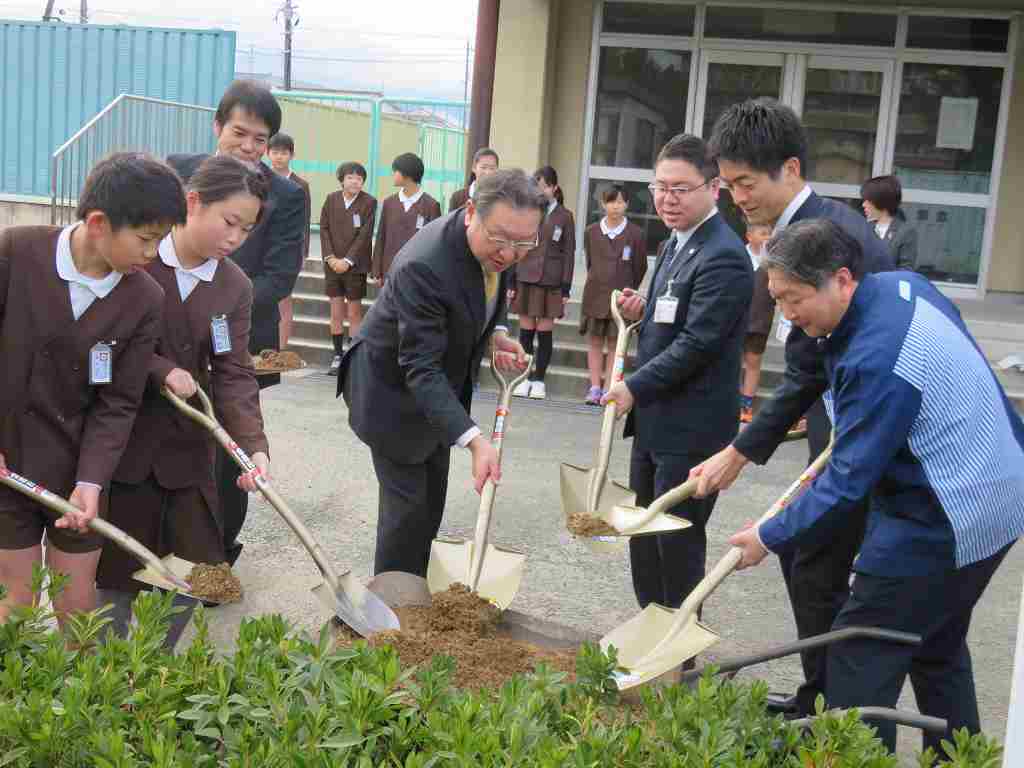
x=215, y=583
x=465, y=626
x=274, y=361
x=582, y=524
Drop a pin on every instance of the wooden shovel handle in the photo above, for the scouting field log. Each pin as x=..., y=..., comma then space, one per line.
x=668, y=499
x=241, y=458
x=62, y=507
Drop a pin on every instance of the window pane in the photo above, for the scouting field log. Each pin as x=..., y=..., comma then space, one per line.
x=641, y=104
x=804, y=26
x=730, y=84
x=946, y=133
x=958, y=34
x=649, y=19
x=948, y=240
x=841, y=109
x=641, y=210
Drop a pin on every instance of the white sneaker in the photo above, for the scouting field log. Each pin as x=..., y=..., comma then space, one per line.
x=523, y=390
x=537, y=391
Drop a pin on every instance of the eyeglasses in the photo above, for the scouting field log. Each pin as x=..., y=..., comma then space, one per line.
x=660, y=190
x=516, y=245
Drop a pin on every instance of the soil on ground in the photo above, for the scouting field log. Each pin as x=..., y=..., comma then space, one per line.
x=215, y=583
x=274, y=361
x=582, y=524
x=466, y=627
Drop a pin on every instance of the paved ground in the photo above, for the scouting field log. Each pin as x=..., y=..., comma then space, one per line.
x=326, y=475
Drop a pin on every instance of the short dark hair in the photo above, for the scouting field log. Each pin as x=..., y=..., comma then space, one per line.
x=691, y=149
x=282, y=140
x=614, y=191
x=883, y=192
x=761, y=133
x=351, y=167
x=812, y=251
x=221, y=176
x=485, y=152
x=133, y=189
x=511, y=186
x=409, y=165
x=253, y=98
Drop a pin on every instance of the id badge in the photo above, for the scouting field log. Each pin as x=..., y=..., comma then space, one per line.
x=357, y=221
x=220, y=334
x=783, y=329
x=627, y=253
x=420, y=222
x=556, y=236
x=101, y=364
x=665, y=309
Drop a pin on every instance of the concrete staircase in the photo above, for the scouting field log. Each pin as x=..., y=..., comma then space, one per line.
x=998, y=327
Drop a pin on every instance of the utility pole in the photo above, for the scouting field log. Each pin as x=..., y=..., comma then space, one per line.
x=83, y=15
x=465, y=92
x=48, y=13
x=291, y=20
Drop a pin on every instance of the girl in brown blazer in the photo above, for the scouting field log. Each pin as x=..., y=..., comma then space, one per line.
x=542, y=282
x=164, y=491
x=485, y=162
x=616, y=254
x=78, y=324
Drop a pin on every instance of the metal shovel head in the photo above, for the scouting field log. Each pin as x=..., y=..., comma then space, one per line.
x=357, y=606
x=180, y=568
x=399, y=589
x=451, y=562
x=637, y=637
x=575, y=483
x=626, y=518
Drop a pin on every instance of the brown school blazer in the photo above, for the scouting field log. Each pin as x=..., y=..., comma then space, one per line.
x=607, y=270
x=551, y=263
x=309, y=214
x=164, y=442
x=339, y=238
x=397, y=226
x=458, y=199
x=56, y=428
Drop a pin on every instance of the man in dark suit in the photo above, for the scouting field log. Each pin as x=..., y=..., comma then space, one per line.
x=761, y=149
x=408, y=377
x=247, y=116
x=682, y=400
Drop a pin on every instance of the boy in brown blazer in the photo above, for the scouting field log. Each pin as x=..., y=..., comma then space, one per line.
x=346, y=232
x=616, y=255
x=403, y=214
x=281, y=151
x=78, y=324
x=164, y=492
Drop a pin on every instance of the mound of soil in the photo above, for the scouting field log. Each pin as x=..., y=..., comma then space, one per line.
x=273, y=361
x=465, y=626
x=215, y=583
x=582, y=524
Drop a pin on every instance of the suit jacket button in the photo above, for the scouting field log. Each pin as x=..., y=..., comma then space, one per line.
x=187, y=347
x=76, y=367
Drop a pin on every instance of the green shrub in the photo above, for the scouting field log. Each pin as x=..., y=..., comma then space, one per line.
x=286, y=700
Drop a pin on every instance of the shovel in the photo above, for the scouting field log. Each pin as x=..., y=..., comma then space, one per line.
x=167, y=573
x=659, y=639
x=492, y=572
x=342, y=594
x=588, y=491
x=629, y=520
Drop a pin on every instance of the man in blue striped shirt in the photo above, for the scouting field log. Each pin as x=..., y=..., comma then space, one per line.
x=923, y=425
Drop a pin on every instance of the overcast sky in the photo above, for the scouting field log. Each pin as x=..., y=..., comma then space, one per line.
x=403, y=47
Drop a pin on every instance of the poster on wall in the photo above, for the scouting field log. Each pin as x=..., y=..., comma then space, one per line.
x=957, y=120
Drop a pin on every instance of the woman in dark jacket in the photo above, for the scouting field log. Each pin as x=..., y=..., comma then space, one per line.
x=882, y=197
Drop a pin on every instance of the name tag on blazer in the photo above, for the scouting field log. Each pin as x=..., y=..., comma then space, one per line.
x=420, y=221
x=220, y=335
x=556, y=236
x=627, y=253
x=101, y=363
x=357, y=221
x=665, y=309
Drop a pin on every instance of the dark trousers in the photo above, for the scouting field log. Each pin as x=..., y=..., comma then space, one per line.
x=667, y=566
x=410, y=508
x=938, y=607
x=818, y=579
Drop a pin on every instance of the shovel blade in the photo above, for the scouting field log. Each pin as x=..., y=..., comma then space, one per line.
x=180, y=568
x=357, y=606
x=500, y=576
x=575, y=482
x=625, y=518
x=636, y=638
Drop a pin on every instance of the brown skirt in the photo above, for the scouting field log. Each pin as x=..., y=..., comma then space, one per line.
x=165, y=521
x=538, y=301
x=599, y=327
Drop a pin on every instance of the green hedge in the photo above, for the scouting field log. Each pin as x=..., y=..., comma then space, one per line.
x=284, y=699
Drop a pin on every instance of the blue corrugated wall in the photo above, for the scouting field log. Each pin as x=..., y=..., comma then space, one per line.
x=54, y=77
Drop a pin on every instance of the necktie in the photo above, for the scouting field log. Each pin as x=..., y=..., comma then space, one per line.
x=670, y=255
x=490, y=284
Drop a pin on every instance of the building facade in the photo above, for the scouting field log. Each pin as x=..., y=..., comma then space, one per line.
x=930, y=93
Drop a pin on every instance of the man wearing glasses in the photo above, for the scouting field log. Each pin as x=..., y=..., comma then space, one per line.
x=682, y=400
x=408, y=377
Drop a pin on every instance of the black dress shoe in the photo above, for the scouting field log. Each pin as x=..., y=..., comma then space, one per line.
x=232, y=552
x=782, y=704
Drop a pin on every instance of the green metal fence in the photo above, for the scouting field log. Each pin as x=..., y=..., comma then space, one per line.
x=330, y=129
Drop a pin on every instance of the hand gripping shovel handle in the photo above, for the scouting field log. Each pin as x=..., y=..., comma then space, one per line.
x=109, y=531
x=207, y=419
x=728, y=563
x=483, y=515
x=604, y=451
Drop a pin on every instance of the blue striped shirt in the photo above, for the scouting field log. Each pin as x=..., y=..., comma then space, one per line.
x=923, y=425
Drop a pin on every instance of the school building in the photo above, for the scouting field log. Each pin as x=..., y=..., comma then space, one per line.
x=930, y=91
